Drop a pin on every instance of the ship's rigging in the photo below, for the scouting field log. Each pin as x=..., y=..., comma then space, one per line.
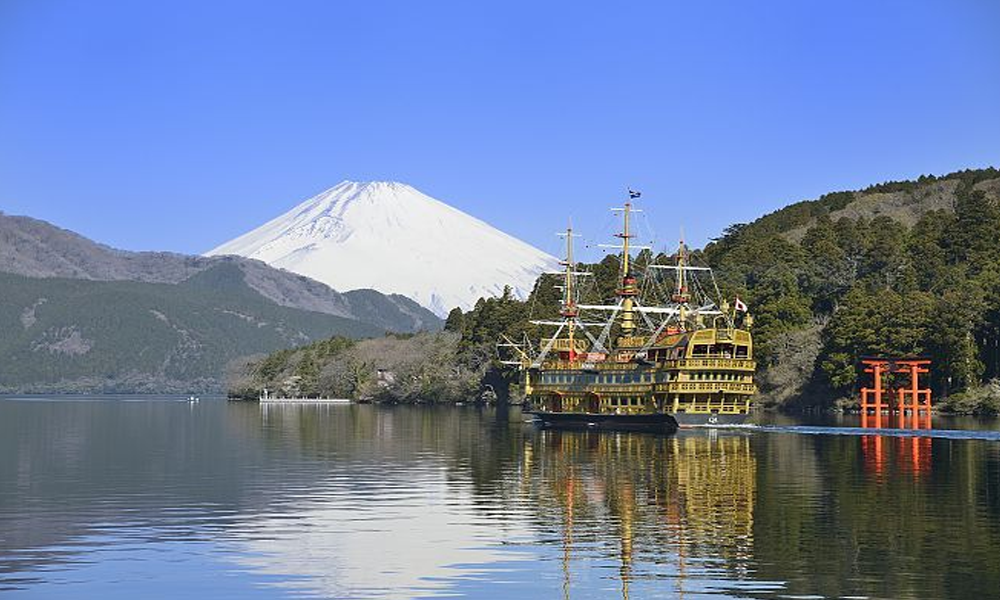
x=585, y=330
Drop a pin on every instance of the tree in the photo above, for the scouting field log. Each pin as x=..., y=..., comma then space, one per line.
x=455, y=321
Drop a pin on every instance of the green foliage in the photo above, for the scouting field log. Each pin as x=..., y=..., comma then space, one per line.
x=883, y=289
x=80, y=335
x=823, y=298
x=978, y=400
x=455, y=320
x=424, y=367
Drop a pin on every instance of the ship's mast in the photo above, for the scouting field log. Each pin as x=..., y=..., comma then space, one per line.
x=628, y=289
x=569, y=310
x=681, y=295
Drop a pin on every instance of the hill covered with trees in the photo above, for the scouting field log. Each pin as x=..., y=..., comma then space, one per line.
x=76, y=335
x=900, y=268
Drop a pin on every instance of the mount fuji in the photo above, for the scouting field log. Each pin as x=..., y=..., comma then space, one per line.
x=390, y=237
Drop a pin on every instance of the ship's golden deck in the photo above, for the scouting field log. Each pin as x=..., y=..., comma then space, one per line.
x=694, y=385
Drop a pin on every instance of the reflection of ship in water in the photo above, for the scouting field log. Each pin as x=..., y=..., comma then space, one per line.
x=680, y=507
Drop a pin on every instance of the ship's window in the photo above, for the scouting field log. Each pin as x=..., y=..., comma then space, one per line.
x=741, y=351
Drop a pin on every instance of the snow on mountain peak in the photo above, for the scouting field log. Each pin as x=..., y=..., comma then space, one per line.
x=393, y=238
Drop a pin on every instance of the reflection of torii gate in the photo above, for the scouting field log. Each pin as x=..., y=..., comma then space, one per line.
x=910, y=398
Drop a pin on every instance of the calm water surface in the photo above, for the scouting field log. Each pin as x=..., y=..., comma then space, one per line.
x=160, y=498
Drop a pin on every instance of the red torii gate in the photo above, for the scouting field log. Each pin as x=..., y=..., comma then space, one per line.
x=910, y=398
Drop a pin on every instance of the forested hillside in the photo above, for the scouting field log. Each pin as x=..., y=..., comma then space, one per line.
x=75, y=335
x=854, y=274
x=39, y=249
x=900, y=268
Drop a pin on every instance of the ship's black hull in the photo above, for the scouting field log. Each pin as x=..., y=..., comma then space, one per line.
x=660, y=423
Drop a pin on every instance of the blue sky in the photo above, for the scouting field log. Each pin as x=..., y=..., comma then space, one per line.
x=180, y=124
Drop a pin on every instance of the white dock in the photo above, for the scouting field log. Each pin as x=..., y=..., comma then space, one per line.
x=273, y=400
x=267, y=398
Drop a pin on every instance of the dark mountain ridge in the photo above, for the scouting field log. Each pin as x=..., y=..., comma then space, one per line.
x=35, y=248
x=78, y=335
x=78, y=316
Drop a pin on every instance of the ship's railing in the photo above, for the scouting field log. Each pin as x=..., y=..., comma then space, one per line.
x=597, y=388
x=706, y=386
x=710, y=363
x=673, y=387
x=737, y=364
x=563, y=345
x=563, y=365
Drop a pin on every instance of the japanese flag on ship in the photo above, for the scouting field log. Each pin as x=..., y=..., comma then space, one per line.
x=740, y=305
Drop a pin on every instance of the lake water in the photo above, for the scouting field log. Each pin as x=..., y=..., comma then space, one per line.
x=162, y=498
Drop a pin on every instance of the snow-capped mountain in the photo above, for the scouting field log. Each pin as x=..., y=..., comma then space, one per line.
x=392, y=238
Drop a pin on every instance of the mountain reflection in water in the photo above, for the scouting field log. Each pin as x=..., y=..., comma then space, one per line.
x=155, y=498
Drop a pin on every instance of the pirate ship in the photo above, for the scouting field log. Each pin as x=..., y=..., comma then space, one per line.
x=682, y=360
